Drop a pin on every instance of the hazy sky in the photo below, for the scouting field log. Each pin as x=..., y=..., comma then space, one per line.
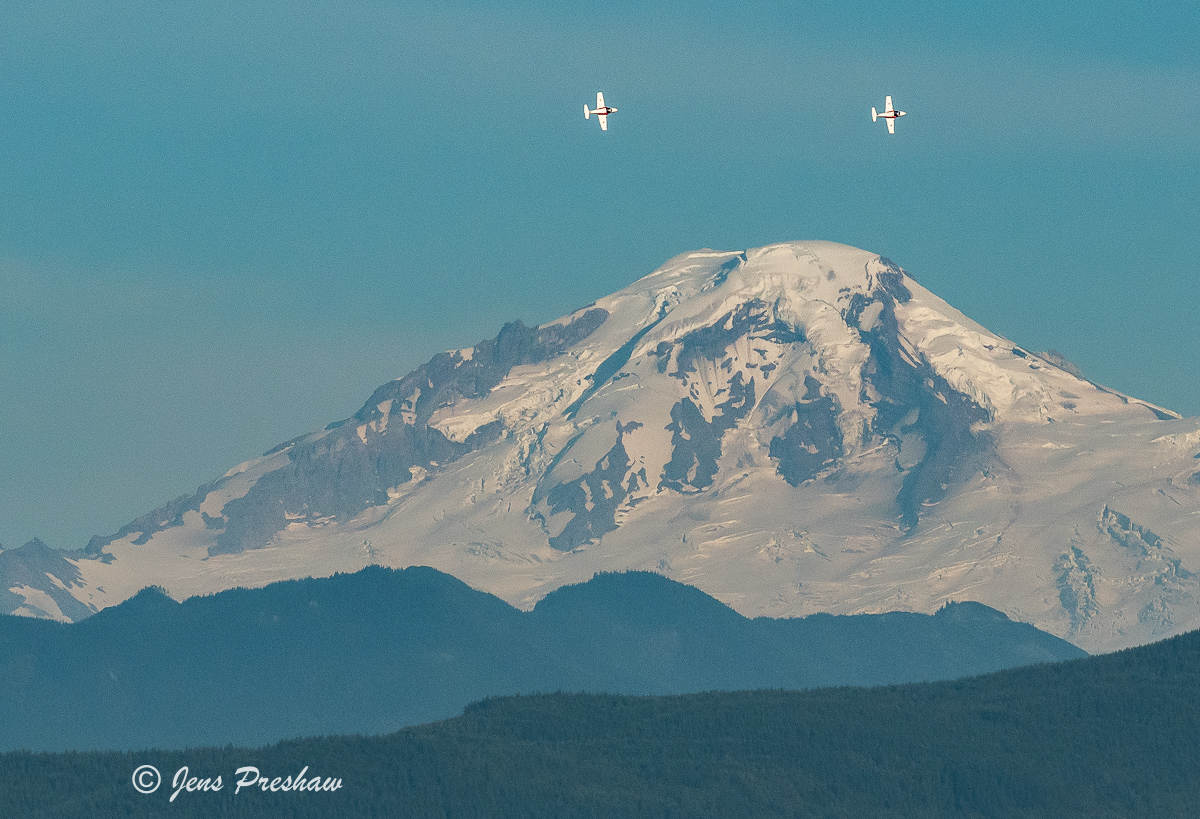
x=223, y=224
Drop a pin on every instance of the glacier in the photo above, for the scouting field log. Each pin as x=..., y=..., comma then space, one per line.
x=792, y=429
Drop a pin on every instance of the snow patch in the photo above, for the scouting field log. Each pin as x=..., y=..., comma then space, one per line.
x=38, y=604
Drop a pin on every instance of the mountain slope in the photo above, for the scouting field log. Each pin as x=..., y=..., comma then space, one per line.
x=381, y=649
x=792, y=429
x=1105, y=736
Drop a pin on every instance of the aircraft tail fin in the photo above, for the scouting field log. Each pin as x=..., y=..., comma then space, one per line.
x=587, y=112
x=874, y=114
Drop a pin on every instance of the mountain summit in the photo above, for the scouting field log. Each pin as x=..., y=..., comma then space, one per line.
x=793, y=429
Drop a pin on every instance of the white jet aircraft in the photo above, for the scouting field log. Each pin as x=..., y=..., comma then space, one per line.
x=889, y=113
x=602, y=111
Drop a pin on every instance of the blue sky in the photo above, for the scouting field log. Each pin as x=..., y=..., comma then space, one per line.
x=223, y=224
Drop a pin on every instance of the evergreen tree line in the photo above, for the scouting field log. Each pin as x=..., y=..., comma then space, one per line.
x=1109, y=736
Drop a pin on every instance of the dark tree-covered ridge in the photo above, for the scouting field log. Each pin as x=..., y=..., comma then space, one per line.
x=1109, y=736
x=380, y=649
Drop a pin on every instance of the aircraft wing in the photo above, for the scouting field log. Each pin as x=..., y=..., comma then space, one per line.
x=887, y=105
x=599, y=99
x=603, y=121
x=891, y=125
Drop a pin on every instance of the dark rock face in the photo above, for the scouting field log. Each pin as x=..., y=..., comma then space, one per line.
x=595, y=497
x=710, y=343
x=613, y=364
x=696, y=443
x=1059, y=360
x=728, y=267
x=891, y=281
x=814, y=439
x=448, y=377
x=148, y=525
x=944, y=417
x=339, y=476
x=29, y=566
x=911, y=400
x=342, y=473
x=953, y=452
x=351, y=468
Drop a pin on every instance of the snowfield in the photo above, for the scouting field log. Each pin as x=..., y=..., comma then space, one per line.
x=793, y=429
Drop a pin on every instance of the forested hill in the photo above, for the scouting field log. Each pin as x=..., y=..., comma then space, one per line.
x=1108, y=736
x=380, y=649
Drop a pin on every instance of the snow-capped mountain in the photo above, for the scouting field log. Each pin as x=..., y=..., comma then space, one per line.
x=793, y=429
